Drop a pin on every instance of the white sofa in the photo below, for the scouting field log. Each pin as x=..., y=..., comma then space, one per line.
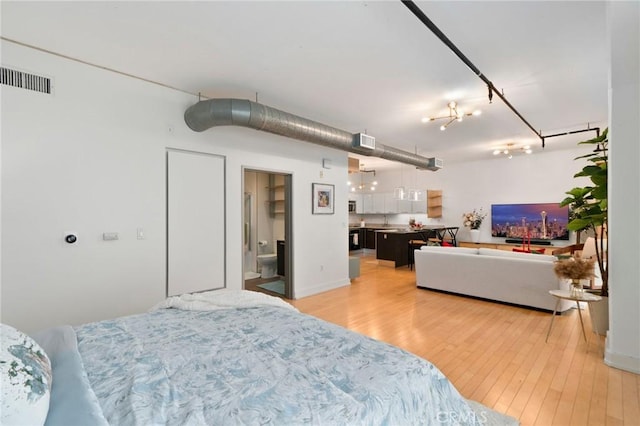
x=517, y=278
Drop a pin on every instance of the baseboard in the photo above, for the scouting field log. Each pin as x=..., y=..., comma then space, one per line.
x=622, y=362
x=389, y=263
x=300, y=293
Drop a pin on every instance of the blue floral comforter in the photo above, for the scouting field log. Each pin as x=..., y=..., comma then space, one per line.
x=258, y=365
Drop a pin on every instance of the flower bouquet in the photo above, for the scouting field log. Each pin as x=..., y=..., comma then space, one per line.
x=415, y=225
x=474, y=219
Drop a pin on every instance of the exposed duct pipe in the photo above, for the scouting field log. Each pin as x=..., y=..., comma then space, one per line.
x=245, y=113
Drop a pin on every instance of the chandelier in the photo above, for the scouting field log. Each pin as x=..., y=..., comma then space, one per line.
x=455, y=114
x=364, y=186
x=510, y=149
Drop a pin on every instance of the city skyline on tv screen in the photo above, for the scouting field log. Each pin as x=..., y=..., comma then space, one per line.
x=529, y=221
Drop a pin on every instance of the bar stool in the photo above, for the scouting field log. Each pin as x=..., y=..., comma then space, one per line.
x=453, y=232
x=413, y=245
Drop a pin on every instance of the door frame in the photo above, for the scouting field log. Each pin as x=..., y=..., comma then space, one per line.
x=288, y=225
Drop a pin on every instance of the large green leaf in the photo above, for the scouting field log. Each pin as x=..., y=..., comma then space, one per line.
x=579, y=224
x=600, y=193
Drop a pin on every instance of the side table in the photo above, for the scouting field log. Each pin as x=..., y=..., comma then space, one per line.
x=566, y=294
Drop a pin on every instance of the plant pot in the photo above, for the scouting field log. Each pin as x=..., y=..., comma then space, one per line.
x=474, y=235
x=599, y=312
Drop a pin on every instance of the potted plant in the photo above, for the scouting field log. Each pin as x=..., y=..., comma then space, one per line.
x=589, y=211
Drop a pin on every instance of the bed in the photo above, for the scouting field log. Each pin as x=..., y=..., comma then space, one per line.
x=239, y=357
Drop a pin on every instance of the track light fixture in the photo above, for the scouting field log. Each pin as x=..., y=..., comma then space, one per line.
x=455, y=114
x=510, y=149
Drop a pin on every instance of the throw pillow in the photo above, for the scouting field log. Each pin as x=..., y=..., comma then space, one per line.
x=25, y=379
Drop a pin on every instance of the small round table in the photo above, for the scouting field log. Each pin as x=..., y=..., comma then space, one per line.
x=566, y=294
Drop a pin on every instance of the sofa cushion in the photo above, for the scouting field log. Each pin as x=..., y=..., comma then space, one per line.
x=452, y=250
x=514, y=254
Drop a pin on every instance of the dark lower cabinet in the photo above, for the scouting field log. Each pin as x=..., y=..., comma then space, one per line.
x=280, y=257
x=370, y=238
x=392, y=246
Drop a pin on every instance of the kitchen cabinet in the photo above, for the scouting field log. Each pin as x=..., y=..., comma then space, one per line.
x=386, y=203
x=378, y=203
x=357, y=198
x=404, y=206
x=367, y=204
x=394, y=246
x=419, y=207
x=370, y=238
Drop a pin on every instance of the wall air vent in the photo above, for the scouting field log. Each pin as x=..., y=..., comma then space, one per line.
x=360, y=140
x=23, y=80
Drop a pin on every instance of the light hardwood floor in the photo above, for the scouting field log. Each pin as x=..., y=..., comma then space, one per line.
x=493, y=353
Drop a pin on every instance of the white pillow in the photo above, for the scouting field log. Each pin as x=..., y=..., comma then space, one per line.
x=515, y=254
x=25, y=379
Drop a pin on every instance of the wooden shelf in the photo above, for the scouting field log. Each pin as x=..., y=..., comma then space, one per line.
x=276, y=199
x=434, y=203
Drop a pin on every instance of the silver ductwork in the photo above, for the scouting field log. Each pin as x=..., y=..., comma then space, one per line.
x=241, y=112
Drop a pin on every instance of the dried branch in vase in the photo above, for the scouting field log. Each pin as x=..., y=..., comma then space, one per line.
x=574, y=268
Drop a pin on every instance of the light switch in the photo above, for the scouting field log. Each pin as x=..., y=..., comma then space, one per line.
x=110, y=236
x=140, y=233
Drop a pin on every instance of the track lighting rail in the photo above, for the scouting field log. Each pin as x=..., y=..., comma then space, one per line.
x=492, y=89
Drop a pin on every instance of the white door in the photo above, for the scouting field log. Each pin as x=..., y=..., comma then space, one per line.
x=195, y=222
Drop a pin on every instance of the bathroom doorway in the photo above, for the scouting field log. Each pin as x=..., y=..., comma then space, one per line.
x=266, y=233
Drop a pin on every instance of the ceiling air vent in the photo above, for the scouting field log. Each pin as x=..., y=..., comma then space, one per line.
x=360, y=140
x=435, y=164
x=24, y=80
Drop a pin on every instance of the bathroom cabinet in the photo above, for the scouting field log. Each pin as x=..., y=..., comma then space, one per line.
x=280, y=254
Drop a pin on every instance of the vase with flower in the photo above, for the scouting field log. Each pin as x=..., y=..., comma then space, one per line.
x=472, y=221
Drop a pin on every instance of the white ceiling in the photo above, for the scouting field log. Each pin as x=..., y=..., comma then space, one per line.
x=359, y=66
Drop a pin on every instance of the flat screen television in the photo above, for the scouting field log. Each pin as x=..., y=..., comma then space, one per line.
x=539, y=221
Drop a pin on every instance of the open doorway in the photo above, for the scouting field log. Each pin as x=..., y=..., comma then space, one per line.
x=266, y=233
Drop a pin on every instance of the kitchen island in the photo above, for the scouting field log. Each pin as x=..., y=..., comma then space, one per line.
x=392, y=245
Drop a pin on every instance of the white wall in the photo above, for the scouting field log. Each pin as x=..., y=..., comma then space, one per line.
x=623, y=339
x=91, y=159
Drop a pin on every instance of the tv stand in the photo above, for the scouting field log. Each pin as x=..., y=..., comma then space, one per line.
x=538, y=242
x=548, y=249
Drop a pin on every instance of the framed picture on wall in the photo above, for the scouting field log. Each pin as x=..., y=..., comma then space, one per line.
x=322, y=198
